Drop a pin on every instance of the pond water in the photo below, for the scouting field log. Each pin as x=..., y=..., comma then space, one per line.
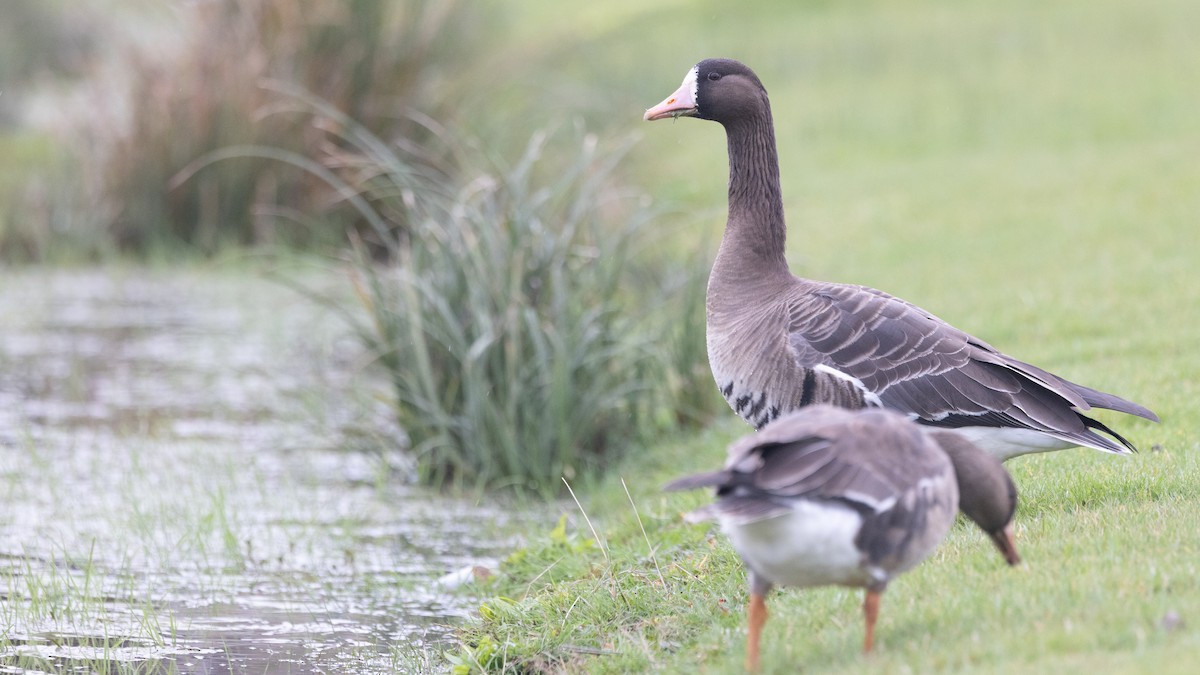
x=197, y=474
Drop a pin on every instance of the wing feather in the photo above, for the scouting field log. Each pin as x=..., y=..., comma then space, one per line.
x=918, y=364
x=825, y=452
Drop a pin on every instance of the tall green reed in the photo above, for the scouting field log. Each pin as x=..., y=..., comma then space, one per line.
x=504, y=322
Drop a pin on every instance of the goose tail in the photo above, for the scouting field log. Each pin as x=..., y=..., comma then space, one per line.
x=1099, y=399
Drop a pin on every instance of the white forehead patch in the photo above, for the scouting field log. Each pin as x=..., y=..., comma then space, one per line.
x=690, y=78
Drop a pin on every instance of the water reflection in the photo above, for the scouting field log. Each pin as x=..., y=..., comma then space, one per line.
x=192, y=481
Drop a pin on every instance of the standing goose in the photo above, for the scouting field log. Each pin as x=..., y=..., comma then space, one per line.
x=777, y=342
x=812, y=500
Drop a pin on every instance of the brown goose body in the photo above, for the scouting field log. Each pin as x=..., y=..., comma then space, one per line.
x=829, y=495
x=777, y=342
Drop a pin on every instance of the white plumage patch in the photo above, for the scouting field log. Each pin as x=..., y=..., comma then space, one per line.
x=876, y=505
x=811, y=545
x=868, y=395
x=1006, y=443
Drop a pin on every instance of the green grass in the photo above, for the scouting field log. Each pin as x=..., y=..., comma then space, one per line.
x=1027, y=172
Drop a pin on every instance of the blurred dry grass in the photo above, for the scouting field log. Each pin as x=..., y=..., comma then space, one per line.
x=374, y=60
x=386, y=63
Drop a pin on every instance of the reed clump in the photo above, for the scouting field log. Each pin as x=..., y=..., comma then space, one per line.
x=511, y=314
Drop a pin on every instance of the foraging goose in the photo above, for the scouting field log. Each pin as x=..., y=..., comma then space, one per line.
x=777, y=342
x=810, y=500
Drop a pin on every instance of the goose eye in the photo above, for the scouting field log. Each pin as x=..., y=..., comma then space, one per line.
x=713, y=77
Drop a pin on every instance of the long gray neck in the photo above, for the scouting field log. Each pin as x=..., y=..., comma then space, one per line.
x=753, y=243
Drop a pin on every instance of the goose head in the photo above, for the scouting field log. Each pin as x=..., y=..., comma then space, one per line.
x=986, y=493
x=721, y=90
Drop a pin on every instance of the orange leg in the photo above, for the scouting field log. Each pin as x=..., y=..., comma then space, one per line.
x=757, y=616
x=871, y=611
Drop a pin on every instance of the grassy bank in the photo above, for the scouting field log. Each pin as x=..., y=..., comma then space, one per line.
x=1109, y=560
x=1024, y=171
